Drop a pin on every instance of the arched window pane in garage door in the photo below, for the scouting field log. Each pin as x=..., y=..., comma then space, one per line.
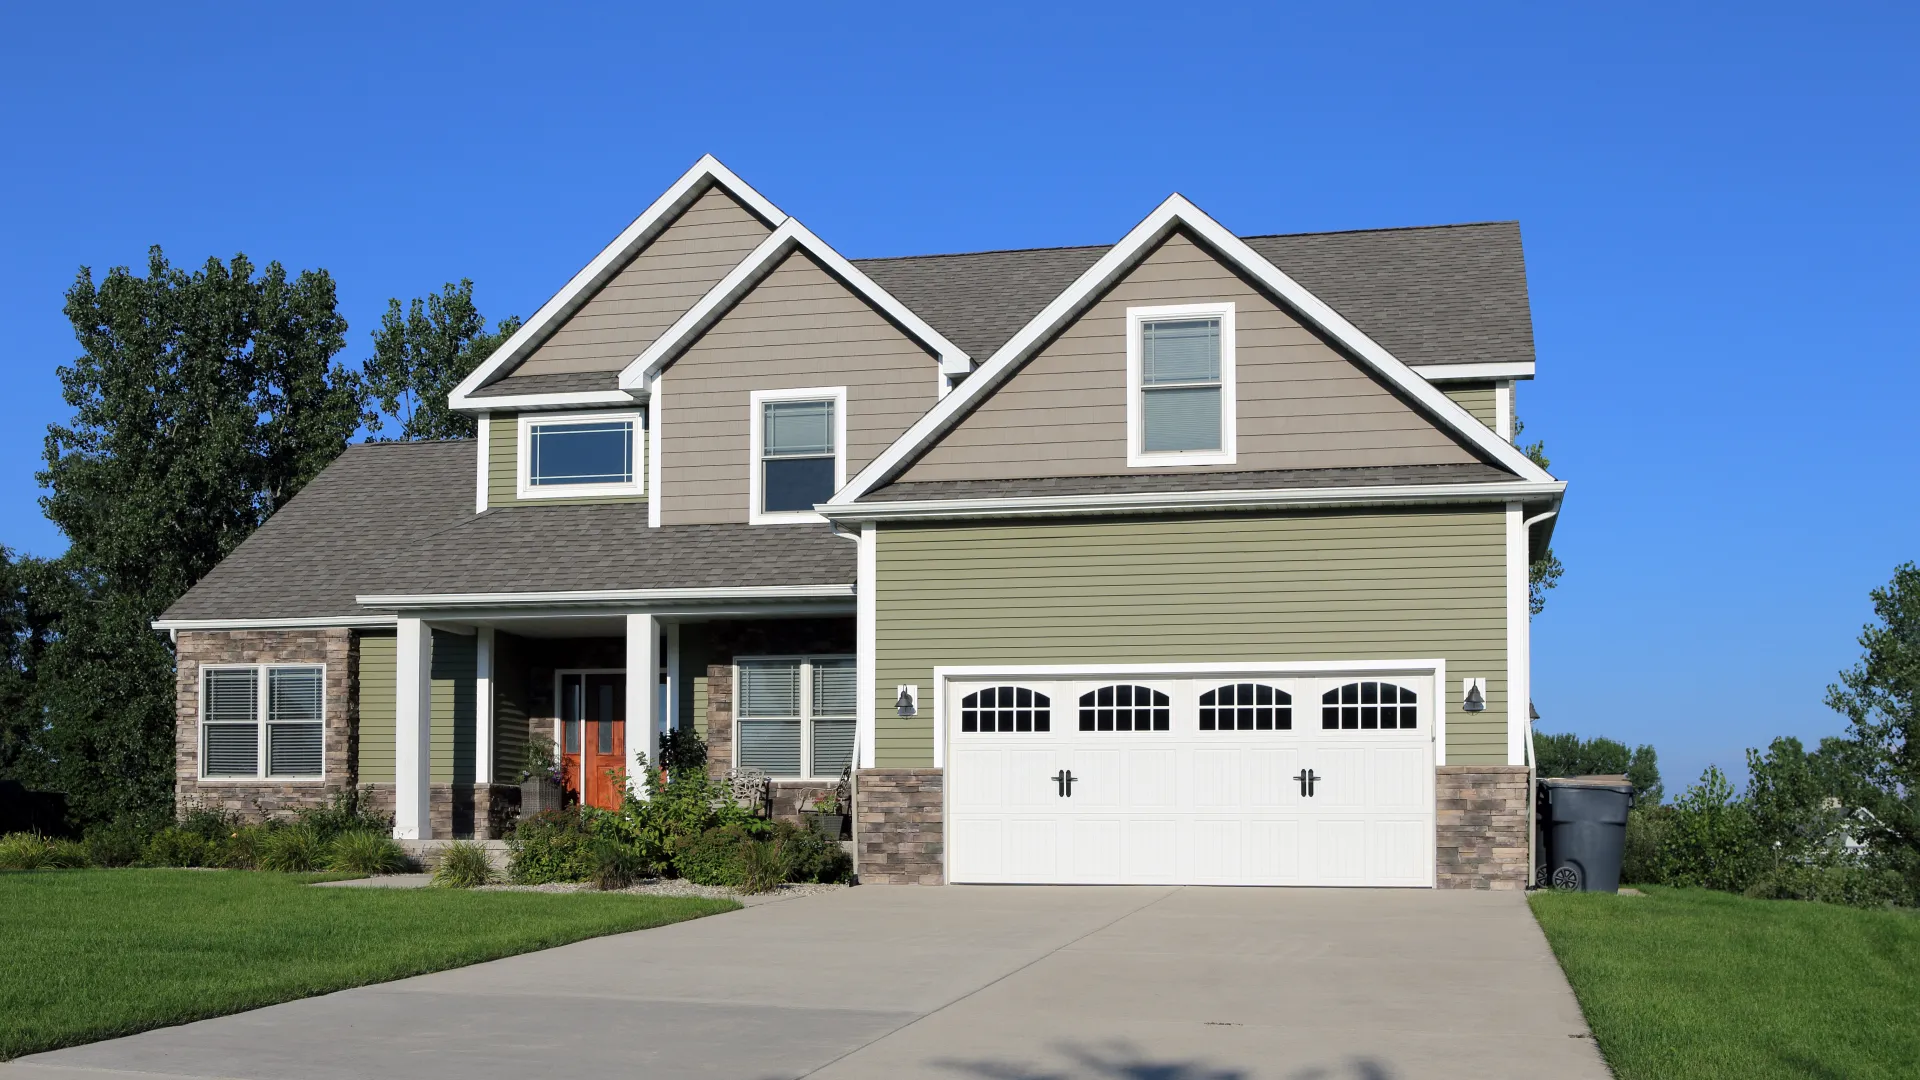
x=1368, y=706
x=1006, y=708
x=1246, y=707
x=1125, y=708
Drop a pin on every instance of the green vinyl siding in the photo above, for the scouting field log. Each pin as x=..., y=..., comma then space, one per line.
x=503, y=464
x=454, y=721
x=1413, y=584
x=510, y=707
x=1476, y=398
x=695, y=650
x=376, y=712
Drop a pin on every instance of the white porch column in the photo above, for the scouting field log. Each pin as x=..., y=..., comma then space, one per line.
x=412, y=723
x=643, y=698
x=483, y=705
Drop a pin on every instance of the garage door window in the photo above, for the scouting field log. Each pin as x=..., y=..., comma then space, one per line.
x=1125, y=708
x=1006, y=708
x=1369, y=706
x=1246, y=707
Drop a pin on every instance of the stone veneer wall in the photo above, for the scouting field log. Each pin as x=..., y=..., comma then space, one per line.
x=897, y=827
x=1481, y=831
x=256, y=799
x=456, y=811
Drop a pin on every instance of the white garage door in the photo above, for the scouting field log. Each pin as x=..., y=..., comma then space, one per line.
x=1227, y=780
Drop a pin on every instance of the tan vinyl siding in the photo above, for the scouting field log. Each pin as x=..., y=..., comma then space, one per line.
x=799, y=327
x=1478, y=399
x=1414, y=584
x=503, y=462
x=653, y=290
x=509, y=707
x=1302, y=404
x=374, y=764
x=454, y=723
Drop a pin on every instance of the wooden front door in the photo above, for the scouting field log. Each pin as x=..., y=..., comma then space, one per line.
x=593, y=722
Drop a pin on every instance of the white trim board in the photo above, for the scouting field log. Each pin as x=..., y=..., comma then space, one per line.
x=1187, y=501
x=1176, y=213
x=1519, y=369
x=608, y=596
x=654, y=220
x=942, y=674
x=571, y=399
x=741, y=280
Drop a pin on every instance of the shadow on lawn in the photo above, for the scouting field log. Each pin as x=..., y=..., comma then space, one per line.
x=1124, y=1061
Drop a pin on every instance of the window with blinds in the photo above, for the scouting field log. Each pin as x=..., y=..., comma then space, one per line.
x=263, y=721
x=794, y=716
x=1180, y=385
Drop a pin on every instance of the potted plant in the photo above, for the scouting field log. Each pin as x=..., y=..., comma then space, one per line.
x=540, y=787
x=827, y=817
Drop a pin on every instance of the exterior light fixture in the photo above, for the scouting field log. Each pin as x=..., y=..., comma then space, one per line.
x=1475, y=699
x=908, y=702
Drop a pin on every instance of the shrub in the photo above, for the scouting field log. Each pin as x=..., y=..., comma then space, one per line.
x=1854, y=886
x=365, y=852
x=616, y=866
x=117, y=843
x=294, y=849
x=1646, y=830
x=764, y=865
x=813, y=857
x=715, y=857
x=175, y=846
x=347, y=813
x=241, y=847
x=1710, y=840
x=553, y=846
x=66, y=854
x=22, y=851
x=463, y=865
x=208, y=824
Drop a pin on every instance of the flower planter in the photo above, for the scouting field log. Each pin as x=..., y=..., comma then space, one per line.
x=827, y=825
x=539, y=796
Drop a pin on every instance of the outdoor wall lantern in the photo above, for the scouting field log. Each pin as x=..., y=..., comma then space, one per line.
x=909, y=701
x=1473, y=696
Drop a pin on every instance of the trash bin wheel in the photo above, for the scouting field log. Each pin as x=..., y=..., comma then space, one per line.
x=1567, y=879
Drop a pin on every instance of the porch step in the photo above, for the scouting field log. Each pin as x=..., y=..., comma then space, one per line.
x=427, y=852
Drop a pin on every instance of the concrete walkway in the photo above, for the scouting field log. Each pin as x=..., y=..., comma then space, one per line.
x=995, y=983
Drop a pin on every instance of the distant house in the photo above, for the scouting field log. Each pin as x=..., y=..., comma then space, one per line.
x=1193, y=557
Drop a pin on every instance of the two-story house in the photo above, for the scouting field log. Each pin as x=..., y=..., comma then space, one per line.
x=1190, y=558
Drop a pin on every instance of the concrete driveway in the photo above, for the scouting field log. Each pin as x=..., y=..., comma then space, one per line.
x=959, y=982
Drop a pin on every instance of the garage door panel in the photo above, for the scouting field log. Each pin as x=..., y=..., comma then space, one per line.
x=1397, y=778
x=1029, y=778
x=1270, y=776
x=1343, y=779
x=1216, y=778
x=1151, y=778
x=979, y=777
x=1150, y=854
x=1213, y=848
x=1340, y=850
x=1097, y=843
x=1032, y=846
x=979, y=850
x=1273, y=851
x=1398, y=852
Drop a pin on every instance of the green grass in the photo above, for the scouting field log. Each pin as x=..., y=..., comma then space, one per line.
x=1707, y=985
x=91, y=954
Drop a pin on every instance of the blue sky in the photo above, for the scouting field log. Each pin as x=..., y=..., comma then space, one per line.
x=1718, y=204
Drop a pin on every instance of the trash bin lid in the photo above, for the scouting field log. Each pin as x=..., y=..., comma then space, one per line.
x=1611, y=782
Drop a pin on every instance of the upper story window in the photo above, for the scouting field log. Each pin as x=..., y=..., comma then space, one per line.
x=236, y=745
x=1180, y=385
x=580, y=454
x=799, y=452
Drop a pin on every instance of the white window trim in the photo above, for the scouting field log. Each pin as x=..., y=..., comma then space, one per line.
x=523, y=484
x=756, y=421
x=806, y=663
x=1138, y=458
x=262, y=691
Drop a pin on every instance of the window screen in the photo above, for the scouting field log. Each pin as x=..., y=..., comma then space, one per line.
x=1180, y=385
x=600, y=452
x=797, y=446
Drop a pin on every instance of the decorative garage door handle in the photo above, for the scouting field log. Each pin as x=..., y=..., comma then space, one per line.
x=1063, y=781
x=1307, y=780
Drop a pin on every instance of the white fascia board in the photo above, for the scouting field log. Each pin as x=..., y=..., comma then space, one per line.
x=443, y=601
x=755, y=267
x=319, y=622
x=1191, y=501
x=665, y=210
x=537, y=402
x=1175, y=212
x=1465, y=372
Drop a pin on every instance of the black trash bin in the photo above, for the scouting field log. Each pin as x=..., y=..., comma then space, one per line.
x=1586, y=819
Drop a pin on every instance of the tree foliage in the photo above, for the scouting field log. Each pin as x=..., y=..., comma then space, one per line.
x=1567, y=754
x=202, y=402
x=1880, y=697
x=421, y=354
x=1544, y=572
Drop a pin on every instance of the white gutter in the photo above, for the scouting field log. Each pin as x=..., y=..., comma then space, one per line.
x=1265, y=498
x=320, y=622
x=609, y=596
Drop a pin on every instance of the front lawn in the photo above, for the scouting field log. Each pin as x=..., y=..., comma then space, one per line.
x=1707, y=985
x=90, y=954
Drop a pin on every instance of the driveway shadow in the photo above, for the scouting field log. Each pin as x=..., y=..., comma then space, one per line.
x=1125, y=1061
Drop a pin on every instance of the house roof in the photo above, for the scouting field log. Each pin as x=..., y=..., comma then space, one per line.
x=1249, y=480
x=1439, y=294
x=311, y=557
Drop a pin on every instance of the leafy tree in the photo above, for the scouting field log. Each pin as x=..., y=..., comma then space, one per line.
x=1567, y=754
x=419, y=356
x=1799, y=800
x=1544, y=572
x=1880, y=697
x=202, y=403
x=1709, y=839
x=24, y=632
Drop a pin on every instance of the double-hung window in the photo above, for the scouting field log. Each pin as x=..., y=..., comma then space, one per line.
x=263, y=720
x=581, y=454
x=1180, y=385
x=799, y=452
x=795, y=715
